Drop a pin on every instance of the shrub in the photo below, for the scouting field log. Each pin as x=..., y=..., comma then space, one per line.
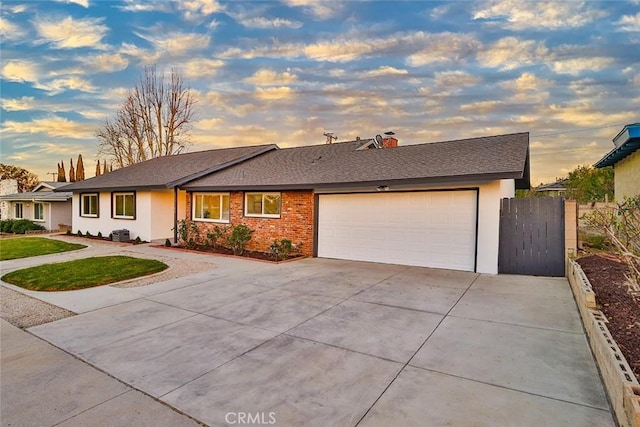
x=111, y=237
x=88, y=234
x=238, y=238
x=99, y=235
x=138, y=240
x=281, y=249
x=167, y=243
x=6, y=225
x=19, y=226
x=79, y=233
x=69, y=232
x=188, y=233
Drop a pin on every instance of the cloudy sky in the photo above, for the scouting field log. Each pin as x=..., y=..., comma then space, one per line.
x=287, y=71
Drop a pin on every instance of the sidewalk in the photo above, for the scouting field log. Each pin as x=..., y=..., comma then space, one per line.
x=44, y=386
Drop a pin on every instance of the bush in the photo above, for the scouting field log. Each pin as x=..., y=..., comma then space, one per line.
x=167, y=243
x=6, y=225
x=99, y=235
x=111, y=237
x=19, y=226
x=281, y=249
x=138, y=240
x=79, y=233
x=238, y=238
x=188, y=233
x=69, y=232
x=88, y=234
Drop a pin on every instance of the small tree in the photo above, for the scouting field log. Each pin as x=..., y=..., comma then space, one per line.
x=621, y=225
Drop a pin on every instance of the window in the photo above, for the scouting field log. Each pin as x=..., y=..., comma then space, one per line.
x=18, y=211
x=124, y=205
x=89, y=205
x=211, y=207
x=38, y=212
x=262, y=204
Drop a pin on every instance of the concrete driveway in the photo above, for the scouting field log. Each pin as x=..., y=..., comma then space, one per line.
x=328, y=342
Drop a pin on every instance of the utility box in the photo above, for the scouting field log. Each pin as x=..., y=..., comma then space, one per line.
x=120, y=236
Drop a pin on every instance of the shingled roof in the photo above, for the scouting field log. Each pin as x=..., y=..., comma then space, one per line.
x=342, y=165
x=169, y=171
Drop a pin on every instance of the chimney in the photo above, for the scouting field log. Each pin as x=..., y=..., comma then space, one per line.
x=389, y=140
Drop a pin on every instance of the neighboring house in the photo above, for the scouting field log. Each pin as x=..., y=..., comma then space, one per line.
x=144, y=198
x=49, y=204
x=554, y=189
x=625, y=159
x=433, y=205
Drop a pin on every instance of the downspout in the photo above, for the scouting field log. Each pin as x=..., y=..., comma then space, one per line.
x=175, y=214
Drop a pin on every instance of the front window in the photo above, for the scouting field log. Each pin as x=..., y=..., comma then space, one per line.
x=89, y=205
x=211, y=207
x=262, y=204
x=18, y=211
x=124, y=205
x=38, y=211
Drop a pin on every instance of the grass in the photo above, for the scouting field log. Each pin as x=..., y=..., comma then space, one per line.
x=24, y=247
x=83, y=273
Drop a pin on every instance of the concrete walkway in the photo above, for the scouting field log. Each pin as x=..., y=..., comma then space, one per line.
x=329, y=342
x=44, y=386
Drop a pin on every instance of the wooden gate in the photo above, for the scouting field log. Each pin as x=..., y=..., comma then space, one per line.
x=532, y=236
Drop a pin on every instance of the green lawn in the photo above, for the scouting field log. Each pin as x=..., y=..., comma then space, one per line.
x=83, y=273
x=23, y=247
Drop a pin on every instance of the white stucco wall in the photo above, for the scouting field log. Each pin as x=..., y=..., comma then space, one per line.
x=489, y=223
x=60, y=213
x=154, y=216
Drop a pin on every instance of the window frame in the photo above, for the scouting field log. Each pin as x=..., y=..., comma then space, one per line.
x=194, y=201
x=262, y=215
x=115, y=194
x=89, y=215
x=15, y=210
x=35, y=218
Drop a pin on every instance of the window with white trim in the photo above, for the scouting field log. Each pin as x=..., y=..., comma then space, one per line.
x=212, y=207
x=18, y=211
x=262, y=205
x=124, y=205
x=38, y=211
x=89, y=205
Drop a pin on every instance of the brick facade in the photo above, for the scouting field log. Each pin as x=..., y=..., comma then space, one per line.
x=295, y=222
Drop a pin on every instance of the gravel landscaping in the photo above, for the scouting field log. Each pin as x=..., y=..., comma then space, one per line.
x=24, y=311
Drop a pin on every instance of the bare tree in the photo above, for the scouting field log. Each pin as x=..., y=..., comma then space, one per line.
x=153, y=121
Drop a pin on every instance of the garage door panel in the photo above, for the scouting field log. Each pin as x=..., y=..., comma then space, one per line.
x=432, y=229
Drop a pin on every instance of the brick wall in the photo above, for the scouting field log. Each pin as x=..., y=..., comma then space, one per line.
x=295, y=222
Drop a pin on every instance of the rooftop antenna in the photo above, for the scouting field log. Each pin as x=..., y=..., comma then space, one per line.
x=54, y=175
x=330, y=137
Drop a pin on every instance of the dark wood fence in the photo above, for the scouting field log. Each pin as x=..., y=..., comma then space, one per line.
x=532, y=236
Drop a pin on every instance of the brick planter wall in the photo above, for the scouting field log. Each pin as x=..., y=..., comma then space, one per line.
x=295, y=222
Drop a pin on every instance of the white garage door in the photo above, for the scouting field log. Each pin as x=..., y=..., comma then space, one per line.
x=428, y=229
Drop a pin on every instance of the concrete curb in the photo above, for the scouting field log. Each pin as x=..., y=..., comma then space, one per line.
x=621, y=385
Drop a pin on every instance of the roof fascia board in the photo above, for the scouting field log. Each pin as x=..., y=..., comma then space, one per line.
x=449, y=180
